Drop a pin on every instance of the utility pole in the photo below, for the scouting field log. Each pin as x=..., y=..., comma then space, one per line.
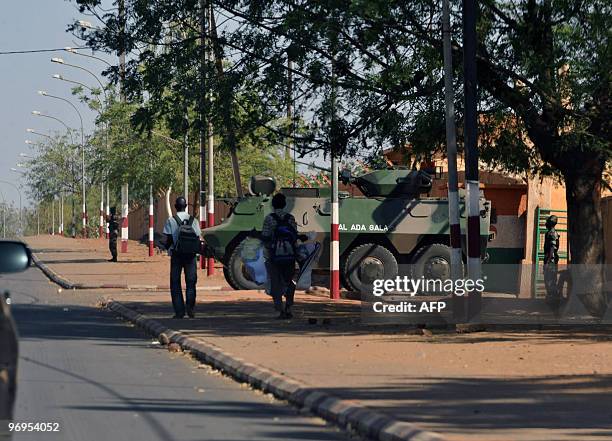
x=334, y=255
x=202, y=98
x=210, y=202
x=291, y=144
x=124, y=187
x=289, y=107
x=186, y=161
x=471, y=150
x=53, y=216
x=451, y=154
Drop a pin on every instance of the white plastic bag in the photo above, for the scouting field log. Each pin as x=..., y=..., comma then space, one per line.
x=307, y=256
x=252, y=256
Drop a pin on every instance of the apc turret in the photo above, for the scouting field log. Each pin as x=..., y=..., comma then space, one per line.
x=396, y=182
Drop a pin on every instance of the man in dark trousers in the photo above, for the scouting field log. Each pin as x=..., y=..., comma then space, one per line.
x=279, y=235
x=113, y=233
x=182, y=242
x=551, y=259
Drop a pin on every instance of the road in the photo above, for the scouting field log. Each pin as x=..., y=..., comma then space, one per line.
x=102, y=379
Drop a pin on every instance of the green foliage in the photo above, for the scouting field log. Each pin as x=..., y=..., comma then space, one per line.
x=55, y=168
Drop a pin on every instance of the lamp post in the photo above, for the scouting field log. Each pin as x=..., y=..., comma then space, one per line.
x=84, y=211
x=44, y=115
x=101, y=228
x=74, y=51
x=38, y=113
x=60, y=77
x=36, y=133
x=61, y=61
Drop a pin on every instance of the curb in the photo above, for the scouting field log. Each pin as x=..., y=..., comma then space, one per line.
x=347, y=414
x=52, y=275
x=67, y=284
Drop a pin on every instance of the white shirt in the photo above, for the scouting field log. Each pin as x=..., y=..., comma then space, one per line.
x=171, y=227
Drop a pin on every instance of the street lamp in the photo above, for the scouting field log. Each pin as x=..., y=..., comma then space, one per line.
x=73, y=50
x=84, y=211
x=43, y=115
x=86, y=24
x=61, y=61
x=27, y=141
x=60, y=77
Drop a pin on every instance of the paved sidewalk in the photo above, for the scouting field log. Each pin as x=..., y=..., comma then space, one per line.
x=514, y=385
x=480, y=386
x=84, y=262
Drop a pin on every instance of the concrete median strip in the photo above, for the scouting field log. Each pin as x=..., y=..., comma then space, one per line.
x=347, y=414
x=68, y=284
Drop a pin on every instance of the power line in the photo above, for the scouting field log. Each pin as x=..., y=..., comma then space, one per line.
x=34, y=51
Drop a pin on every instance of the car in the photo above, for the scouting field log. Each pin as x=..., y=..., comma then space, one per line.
x=14, y=257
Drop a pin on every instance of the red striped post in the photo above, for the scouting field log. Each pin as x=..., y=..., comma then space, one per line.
x=210, y=201
x=202, y=226
x=451, y=153
x=151, y=236
x=124, y=218
x=471, y=151
x=334, y=264
x=61, y=214
x=84, y=221
x=106, y=232
x=101, y=226
x=210, y=220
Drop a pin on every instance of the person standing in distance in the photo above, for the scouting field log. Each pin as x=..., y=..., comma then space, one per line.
x=183, y=243
x=113, y=233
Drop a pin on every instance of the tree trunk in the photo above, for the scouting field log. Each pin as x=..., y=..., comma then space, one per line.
x=585, y=233
x=226, y=99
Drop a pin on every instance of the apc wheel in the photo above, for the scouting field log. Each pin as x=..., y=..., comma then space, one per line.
x=234, y=272
x=366, y=263
x=432, y=262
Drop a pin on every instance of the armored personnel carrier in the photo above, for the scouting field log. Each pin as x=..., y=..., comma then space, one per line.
x=389, y=227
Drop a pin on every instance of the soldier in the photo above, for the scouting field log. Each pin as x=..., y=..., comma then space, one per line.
x=113, y=233
x=551, y=259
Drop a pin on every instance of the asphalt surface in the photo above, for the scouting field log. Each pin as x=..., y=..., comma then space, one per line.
x=101, y=379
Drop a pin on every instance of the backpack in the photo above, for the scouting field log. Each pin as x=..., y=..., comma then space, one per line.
x=188, y=242
x=283, y=241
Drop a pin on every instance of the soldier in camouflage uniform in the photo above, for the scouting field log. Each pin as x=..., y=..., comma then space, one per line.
x=551, y=259
x=113, y=233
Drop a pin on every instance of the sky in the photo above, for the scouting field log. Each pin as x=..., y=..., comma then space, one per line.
x=30, y=25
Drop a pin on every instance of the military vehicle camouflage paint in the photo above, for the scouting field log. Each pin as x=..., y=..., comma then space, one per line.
x=388, y=227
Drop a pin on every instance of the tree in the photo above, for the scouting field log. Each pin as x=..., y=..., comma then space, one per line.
x=543, y=69
x=57, y=169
